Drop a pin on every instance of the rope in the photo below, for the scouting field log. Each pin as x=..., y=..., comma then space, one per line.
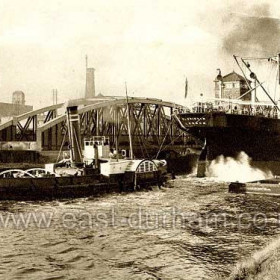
x=80, y=152
x=163, y=140
x=254, y=58
x=276, y=82
x=140, y=142
x=173, y=141
x=144, y=145
x=60, y=150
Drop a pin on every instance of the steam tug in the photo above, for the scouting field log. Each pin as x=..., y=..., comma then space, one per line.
x=235, y=120
x=94, y=170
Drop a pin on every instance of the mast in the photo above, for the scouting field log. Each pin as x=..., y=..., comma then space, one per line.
x=253, y=76
x=116, y=131
x=254, y=93
x=128, y=125
x=186, y=87
x=249, y=86
x=278, y=61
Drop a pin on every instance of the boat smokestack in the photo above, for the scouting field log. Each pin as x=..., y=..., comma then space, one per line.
x=90, y=83
x=74, y=134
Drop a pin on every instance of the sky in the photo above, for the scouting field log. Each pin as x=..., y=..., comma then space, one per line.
x=153, y=46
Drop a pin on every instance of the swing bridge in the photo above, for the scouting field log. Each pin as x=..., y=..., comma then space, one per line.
x=153, y=126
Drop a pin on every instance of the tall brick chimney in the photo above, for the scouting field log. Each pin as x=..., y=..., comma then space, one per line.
x=90, y=83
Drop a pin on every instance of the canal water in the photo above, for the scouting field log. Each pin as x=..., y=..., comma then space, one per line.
x=193, y=229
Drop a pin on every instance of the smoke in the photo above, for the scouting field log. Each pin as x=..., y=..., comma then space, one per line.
x=231, y=170
x=255, y=32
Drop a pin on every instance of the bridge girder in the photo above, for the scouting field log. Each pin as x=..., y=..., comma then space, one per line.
x=151, y=123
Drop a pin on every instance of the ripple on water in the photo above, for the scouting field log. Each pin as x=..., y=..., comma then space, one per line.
x=117, y=251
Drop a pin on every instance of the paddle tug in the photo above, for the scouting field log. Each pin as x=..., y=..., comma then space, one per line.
x=92, y=170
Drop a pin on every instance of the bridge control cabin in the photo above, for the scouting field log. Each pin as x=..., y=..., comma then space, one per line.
x=235, y=95
x=233, y=86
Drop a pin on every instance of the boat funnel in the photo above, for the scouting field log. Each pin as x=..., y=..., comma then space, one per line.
x=73, y=122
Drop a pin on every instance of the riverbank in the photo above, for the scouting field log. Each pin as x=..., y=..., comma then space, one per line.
x=262, y=265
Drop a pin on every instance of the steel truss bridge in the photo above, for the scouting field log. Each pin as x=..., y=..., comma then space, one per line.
x=151, y=122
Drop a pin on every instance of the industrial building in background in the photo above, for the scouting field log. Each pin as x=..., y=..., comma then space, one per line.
x=232, y=86
x=90, y=82
x=17, y=107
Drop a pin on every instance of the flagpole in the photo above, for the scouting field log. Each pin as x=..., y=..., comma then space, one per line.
x=128, y=125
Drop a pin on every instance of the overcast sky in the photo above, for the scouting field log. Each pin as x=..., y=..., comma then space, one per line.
x=152, y=45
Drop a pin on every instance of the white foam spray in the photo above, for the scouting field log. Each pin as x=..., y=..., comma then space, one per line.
x=239, y=169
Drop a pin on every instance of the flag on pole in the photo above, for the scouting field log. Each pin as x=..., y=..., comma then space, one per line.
x=186, y=88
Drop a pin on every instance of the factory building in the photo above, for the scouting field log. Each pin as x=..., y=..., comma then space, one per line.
x=90, y=83
x=17, y=107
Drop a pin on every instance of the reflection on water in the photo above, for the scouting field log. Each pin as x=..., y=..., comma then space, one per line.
x=195, y=230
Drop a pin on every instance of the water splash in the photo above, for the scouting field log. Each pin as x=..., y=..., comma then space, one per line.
x=236, y=169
